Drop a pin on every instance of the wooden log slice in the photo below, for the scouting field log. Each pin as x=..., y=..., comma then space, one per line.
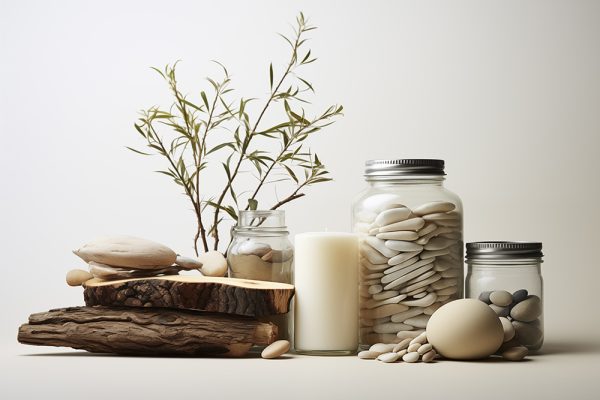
x=223, y=295
x=146, y=331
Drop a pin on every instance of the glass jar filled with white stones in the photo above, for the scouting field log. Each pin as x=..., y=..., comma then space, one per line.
x=507, y=277
x=411, y=248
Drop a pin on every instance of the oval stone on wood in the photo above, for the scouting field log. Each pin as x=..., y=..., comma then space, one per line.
x=411, y=357
x=515, y=353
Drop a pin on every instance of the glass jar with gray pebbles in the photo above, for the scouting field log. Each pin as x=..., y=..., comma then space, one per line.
x=261, y=250
x=411, y=248
x=507, y=276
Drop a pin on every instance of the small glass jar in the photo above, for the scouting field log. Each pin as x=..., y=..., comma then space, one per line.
x=411, y=248
x=261, y=250
x=507, y=276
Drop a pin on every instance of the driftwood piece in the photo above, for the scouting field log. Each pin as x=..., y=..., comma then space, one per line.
x=146, y=331
x=223, y=295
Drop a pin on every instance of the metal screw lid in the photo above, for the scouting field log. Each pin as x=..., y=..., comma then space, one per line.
x=503, y=250
x=404, y=167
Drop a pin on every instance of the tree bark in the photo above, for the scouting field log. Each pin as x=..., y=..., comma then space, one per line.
x=223, y=295
x=146, y=332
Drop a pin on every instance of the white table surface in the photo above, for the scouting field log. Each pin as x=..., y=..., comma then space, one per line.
x=568, y=367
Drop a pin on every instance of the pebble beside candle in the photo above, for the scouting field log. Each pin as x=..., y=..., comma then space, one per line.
x=326, y=300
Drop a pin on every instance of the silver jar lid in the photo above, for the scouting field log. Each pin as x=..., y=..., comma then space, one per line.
x=404, y=167
x=503, y=250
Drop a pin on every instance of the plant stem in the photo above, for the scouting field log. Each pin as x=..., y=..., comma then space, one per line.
x=201, y=232
x=188, y=192
x=249, y=137
x=295, y=195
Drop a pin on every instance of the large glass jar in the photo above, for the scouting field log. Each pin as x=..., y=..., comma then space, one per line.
x=411, y=248
x=261, y=250
x=507, y=276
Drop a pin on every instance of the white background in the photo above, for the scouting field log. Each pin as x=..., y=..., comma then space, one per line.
x=508, y=93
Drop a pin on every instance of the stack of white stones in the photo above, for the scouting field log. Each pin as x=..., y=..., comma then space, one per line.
x=411, y=264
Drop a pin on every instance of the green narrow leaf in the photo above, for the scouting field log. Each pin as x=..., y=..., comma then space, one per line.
x=137, y=151
x=271, y=75
x=205, y=100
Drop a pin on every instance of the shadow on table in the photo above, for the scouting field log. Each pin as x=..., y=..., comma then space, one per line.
x=250, y=355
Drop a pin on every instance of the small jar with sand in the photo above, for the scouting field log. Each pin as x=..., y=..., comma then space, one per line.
x=261, y=250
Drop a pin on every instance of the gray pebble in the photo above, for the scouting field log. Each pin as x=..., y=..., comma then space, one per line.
x=485, y=297
x=500, y=311
x=519, y=295
x=501, y=298
x=528, y=333
x=527, y=310
x=515, y=353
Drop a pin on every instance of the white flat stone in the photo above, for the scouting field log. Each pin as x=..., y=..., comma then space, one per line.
x=380, y=246
x=450, y=273
x=402, y=257
x=420, y=284
x=419, y=321
x=441, y=265
x=372, y=255
x=392, y=327
x=375, y=289
x=444, y=283
x=409, y=334
x=392, y=300
x=392, y=215
x=368, y=355
x=420, y=295
x=432, y=308
x=381, y=348
x=438, y=244
x=387, y=278
x=411, y=224
x=421, y=339
x=449, y=216
x=386, y=295
x=434, y=207
x=388, y=357
x=398, y=235
x=373, y=267
x=383, y=311
x=397, y=282
x=403, y=316
x=447, y=291
x=402, y=265
x=427, y=229
x=402, y=245
x=434, y=253
x=411, y=357
x=424, y=302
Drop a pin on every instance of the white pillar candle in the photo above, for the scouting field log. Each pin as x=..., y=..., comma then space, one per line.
x=326, y=300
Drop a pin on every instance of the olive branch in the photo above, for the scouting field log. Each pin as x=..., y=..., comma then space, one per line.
x=190, y=124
